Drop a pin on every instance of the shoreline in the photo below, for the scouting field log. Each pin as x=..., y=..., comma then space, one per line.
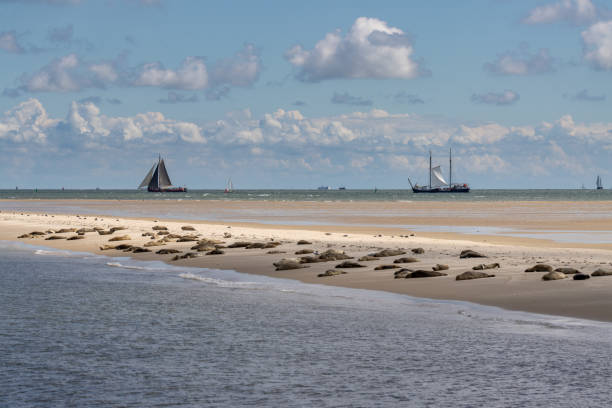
x=511, y=289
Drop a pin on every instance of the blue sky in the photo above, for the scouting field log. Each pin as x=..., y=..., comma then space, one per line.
x=294, y=95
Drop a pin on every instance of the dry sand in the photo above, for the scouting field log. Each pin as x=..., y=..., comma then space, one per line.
x=512, y=288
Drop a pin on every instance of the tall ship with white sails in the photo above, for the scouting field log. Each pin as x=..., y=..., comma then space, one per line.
x=158, y=181
x=437, y=184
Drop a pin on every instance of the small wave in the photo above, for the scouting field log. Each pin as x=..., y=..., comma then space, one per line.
x=218, y=282
x=120, y=265
x=66, y=254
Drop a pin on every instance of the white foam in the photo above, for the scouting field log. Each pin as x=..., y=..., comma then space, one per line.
x=218, y=282
x=120, y=265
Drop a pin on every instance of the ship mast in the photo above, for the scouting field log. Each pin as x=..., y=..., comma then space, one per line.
x=450, y=167
x=430, y=169
x=158, y=163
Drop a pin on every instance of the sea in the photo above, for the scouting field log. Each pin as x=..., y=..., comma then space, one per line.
x=314, y=195
x=82, y=330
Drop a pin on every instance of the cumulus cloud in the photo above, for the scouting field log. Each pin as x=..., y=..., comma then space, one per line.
x=372, y=141
x=506, y=97
x=71, y=73
x=242, y=69
x=191, y=75
x=26, y=122
x=86, y=127
x=597, y=41
x=522, y=62
x=9, y=42
x=347, y=99
x=573, y=11
x=61, y=75
x=174, y=97
x=585, y=96
x=371, y=49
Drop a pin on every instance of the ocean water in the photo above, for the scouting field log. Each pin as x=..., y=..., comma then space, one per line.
x=90, y=331
x=315, y=195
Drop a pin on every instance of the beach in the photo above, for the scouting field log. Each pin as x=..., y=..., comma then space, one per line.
x=516, y=235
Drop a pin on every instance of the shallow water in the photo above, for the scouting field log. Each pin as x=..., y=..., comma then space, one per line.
x=315, y=195
x=81, y=330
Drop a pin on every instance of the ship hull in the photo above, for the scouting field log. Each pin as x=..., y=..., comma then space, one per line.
x=441, y=190
x=167, y=190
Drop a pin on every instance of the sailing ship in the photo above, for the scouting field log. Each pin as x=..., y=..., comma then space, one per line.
x=229, y=187
x=158, y=181
x=598, y=183
x=437, y=184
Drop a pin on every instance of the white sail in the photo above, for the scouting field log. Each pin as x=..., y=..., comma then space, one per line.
x=437, y=180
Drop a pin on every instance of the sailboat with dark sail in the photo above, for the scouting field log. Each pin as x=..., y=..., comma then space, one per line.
x=598, y=183
x=158, y=181
x=437, y=184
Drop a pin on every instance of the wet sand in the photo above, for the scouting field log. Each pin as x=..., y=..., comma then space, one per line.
x=511, y=288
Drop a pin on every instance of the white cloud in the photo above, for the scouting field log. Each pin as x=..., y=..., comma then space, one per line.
x=26, y=122
x=597, y=40
x=371, y=49
x=521, y=62
x=104, y=72
x=242, y=69
x=59, y=76
x=9, y=43
x=574, y=11
x=71, y=74
x=484, y=163
x=191, y=75
x=372, y=142
x=483, y=134
x=506, y=97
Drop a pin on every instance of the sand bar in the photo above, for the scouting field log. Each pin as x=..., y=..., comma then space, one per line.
x=511, y=288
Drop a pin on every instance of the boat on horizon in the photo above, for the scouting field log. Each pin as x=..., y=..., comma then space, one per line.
x=437, y=184
x=598, y=183
x=229, y=187
x=158, y=181
x=323, y=188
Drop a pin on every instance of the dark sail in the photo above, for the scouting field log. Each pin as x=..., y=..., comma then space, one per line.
x=148, y=177
x=154, y=183
x=164, y=179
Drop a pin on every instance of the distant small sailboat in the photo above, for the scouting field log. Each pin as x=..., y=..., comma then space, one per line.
x=342, y=188
x=229, y=187
x=598, y=183
x=158, y=181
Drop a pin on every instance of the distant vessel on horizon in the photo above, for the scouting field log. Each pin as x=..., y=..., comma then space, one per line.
x=229, y=187
x=437, y=184
x=323, y=188
x=158, y=181
x=342, y=188
x=598, y=183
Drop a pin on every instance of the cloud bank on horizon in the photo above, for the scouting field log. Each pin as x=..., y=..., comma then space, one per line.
x=522, y=110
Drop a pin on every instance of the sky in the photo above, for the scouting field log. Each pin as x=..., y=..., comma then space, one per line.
x=281, y=94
